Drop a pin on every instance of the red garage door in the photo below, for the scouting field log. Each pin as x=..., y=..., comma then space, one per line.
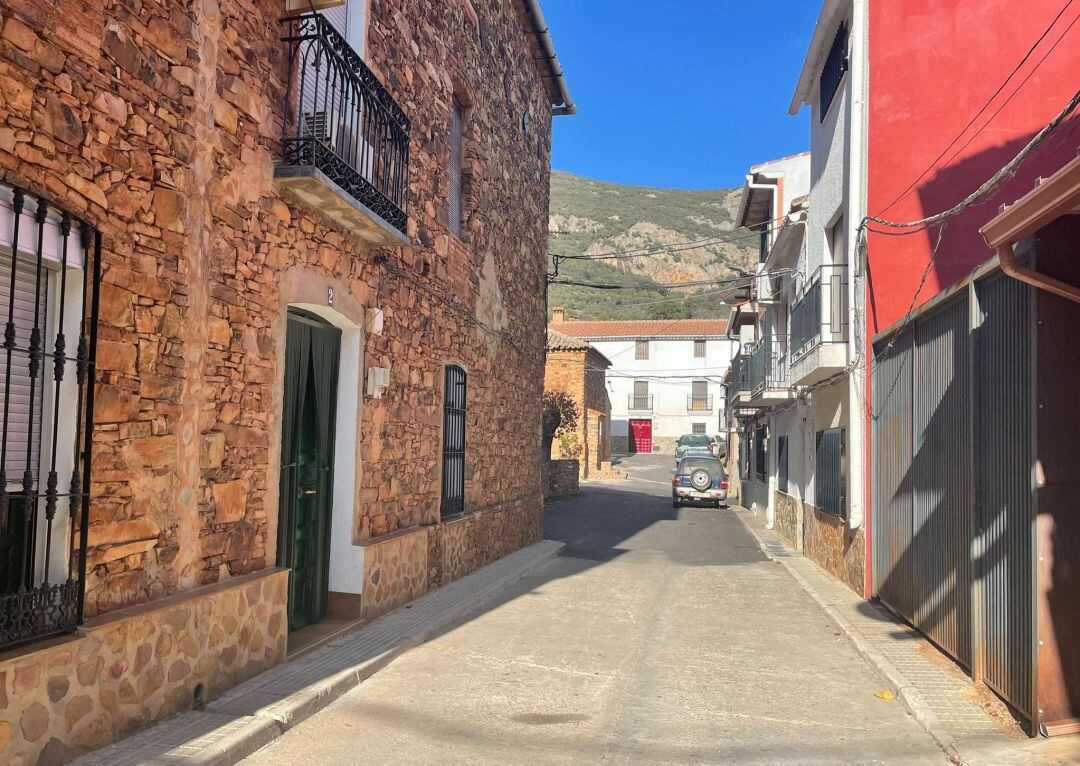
x=641, y=435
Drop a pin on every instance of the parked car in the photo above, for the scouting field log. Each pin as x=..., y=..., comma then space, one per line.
x=699, y=478
x=719, y=446
x=693, y=444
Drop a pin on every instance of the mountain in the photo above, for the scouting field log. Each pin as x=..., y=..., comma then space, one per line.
x=591, y=217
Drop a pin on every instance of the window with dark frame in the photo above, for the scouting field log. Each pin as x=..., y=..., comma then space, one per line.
x=782, y=463
x=761, y=437
x=453, y=469
x=831, y=472
x=641, y=349
x=836, y=63
x=699, y=348
x=457, y=160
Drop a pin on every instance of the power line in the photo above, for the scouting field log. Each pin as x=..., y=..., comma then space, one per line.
x=670, y=285
x=989, y=101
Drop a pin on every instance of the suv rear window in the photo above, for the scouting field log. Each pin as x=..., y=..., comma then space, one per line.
x=690, y=464
x=694, y=440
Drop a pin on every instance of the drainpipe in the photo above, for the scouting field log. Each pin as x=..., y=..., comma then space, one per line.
x=543, y=32
x=857, y=169
x=1007, y=257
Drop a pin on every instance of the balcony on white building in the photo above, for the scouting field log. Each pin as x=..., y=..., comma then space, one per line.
x=819, y=327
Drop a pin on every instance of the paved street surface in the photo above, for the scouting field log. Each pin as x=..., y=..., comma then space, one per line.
x=659, y=636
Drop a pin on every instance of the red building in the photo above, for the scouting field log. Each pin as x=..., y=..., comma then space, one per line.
x=974, y=523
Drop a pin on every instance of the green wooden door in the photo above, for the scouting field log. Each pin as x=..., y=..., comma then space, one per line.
x=307, y=464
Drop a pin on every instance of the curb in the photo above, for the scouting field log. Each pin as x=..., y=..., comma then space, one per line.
x=905, y=692
x=252, y=719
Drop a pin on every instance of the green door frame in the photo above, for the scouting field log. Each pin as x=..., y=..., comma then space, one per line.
x=312, y=353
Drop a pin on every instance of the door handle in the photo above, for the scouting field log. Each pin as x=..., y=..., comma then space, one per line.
x=310, y=492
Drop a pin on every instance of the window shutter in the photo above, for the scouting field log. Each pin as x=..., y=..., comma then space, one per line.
x=457, y=158
x=19, y=420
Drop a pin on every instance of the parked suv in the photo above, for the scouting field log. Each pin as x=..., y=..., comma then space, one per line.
x=692, y=444
x=699, y=478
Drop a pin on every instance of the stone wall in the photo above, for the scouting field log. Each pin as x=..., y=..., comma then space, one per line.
x=562, y=478
x=835, y=547
x=788, y=518
x=137, y=666
x=396, y=571
x=159, y=122
x=581, y=374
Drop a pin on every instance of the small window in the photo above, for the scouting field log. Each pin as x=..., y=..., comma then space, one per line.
x=697, y=428
x=833, y=72
x=453, y=473
x=457, y=160
x=761, y=436
x=831, y=477
x=699, y=349
x=782, y=463
x=641, y=349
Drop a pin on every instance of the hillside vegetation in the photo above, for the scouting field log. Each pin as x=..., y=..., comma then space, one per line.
x=591, y=217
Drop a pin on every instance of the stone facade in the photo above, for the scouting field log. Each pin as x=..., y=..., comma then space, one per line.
x=138, y=665
x=159, y=122
x=831, y=544
x=789, y=518
x=561, y=478
x=575, y=367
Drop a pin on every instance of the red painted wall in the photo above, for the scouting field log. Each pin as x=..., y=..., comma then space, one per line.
x=933, y=65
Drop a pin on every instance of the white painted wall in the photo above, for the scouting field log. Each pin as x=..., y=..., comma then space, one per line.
x=670, y=370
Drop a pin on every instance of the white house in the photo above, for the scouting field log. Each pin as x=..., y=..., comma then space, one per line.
x=665, y=378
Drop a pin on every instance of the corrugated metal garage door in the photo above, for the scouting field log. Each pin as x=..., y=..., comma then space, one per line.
x=952, y=455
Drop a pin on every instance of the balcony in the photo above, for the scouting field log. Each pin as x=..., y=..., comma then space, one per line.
x=345, y=147
x=699, y=403
x=769, y=383
x=819, y=327
x=640, y=403
x=737, y=384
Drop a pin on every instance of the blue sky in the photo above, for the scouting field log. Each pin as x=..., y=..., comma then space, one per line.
x=684, y=93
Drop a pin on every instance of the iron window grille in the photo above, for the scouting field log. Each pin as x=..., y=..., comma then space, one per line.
x=699, y=403
x=697, y=428
x=699, y=349
x=831, y=474
x=836, y=64
x=50, y=272
x=453, y=469
x=761, y=437
x=342, y=121
x=457, y=159
x=782, y=463
x=641, y=349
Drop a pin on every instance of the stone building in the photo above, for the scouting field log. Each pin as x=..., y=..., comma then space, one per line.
x=577, y=368
x=298, y=266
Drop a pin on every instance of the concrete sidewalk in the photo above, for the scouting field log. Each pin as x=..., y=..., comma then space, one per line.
x=256, y=712
x=973, y=728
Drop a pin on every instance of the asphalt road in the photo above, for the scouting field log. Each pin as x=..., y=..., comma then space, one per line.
x=658, y=637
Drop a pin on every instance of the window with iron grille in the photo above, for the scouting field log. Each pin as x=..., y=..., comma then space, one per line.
x=833, y=72
x=699, y=349
x=697, y=428
x=641, y=349
x=453, y=470
x=831, y=475
x=782, y=463
x=49, y=277
x=457, y=160
x=761, y=437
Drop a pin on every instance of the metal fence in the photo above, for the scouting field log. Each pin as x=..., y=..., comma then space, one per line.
x=342, y=121
x=639, y=403
x=699, y=403
x=49, y=258
x=768, y=365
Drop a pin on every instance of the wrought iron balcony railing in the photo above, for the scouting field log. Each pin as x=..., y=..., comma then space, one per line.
x=640, y=403
x=820, y=316
x=342, y=121
x=47, y=258
x=768, y=365
x=699, y=403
